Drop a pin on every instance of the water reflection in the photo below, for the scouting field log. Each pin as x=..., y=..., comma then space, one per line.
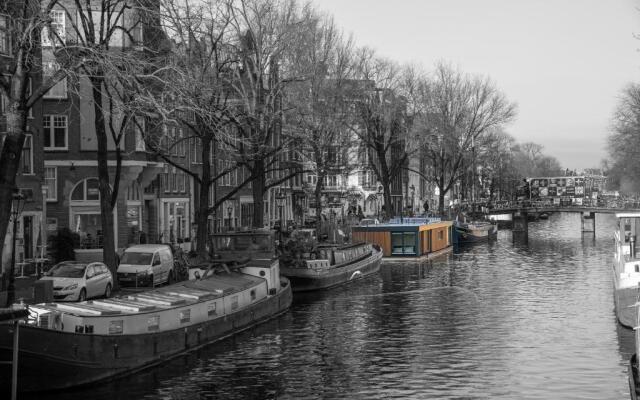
x=503, y=320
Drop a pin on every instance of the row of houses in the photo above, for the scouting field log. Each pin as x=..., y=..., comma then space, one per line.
x=156, y=202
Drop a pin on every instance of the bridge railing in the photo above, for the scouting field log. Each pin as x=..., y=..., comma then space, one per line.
x=550, y=203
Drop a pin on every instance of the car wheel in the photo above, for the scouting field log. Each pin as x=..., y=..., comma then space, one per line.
x=83, y=295
x=107, y=291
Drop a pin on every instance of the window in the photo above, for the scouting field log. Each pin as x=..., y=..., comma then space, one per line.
x=403, y=243
x=174, y=180
x=181, y=182
x=5, y=36
x=153, y=323
x=253, y=295
x=54, y=128
x=59, y=90
x=116, y=327
x=27, y=156
x=138, y=128
x=51, y=183
x=181, y=143
x=234, y=302
x=185, y=316
x=211, y=309
x=58, y=28
x=165, y=179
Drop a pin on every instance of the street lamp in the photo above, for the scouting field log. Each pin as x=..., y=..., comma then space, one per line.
x=280, y=203
x=380, y=192
x=229, y=210
x=16, y=210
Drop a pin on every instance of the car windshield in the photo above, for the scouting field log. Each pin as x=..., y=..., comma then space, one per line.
x=135, y=258
x=66, y=270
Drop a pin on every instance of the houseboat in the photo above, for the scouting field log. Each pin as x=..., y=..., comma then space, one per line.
x=407, y=237
x=64, y=345
x=474, y=232
x=626, y=267
x=310, y=265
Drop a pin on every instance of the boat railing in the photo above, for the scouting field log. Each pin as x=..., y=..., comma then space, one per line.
x=415, y=220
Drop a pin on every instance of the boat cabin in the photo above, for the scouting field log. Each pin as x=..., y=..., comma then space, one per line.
x=410, y=237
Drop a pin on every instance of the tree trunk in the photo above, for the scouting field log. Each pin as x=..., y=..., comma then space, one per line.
x=106, y=210
x=258, y=190
x=318, y=196
x=202, y=216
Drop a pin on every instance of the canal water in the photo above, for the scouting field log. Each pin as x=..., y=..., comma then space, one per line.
x=504, y=320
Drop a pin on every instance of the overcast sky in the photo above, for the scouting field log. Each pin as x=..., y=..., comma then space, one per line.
x=564, y=62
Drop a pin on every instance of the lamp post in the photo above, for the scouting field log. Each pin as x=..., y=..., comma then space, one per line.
x=380, y=192
x=280, y=203
x=229, y=210
x=18, y=204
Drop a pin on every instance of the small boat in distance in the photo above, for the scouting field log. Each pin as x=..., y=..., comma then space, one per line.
x=310, y=265
x=626, y=268
x=66, y=345
x=473, y=232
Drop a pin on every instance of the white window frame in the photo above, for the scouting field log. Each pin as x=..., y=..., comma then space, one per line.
x=51, y=197
x=51, y=131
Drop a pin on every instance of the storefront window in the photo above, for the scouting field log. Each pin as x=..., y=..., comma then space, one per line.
x=89, y=228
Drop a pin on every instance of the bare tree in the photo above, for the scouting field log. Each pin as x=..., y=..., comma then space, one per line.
x=266, y=35
x=321, y=102
x=624, y=139
x=383, y=124
x=458, y=110
x=101, y=38
x=21, y=87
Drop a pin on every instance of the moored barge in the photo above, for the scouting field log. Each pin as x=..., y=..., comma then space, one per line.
x=332, y=265
x=65, y=345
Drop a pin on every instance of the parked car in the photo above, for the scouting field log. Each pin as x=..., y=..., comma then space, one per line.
x=146, y=265
x=369, y=221
x=78, y=281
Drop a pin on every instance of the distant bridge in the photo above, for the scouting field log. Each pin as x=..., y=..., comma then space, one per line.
x=521, y=211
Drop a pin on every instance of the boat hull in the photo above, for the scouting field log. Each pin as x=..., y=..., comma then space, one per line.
x=480, y=234
x=625, y=300
x=305, y=280
x=53, y=360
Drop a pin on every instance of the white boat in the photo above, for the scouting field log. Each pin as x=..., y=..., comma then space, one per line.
x=626, y=267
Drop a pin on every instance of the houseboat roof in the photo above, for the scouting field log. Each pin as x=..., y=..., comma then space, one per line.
x=628, y=215
x=403, y=227
x=188, y=292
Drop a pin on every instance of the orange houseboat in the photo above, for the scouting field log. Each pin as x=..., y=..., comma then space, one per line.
x=411, y=237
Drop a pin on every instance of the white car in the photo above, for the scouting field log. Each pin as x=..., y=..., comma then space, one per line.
x=78, y=281
x=146, y=265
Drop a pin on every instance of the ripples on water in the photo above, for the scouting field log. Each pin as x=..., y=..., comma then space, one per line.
x=505, y=320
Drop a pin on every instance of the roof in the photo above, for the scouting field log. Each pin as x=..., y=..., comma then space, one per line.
x=147, y=247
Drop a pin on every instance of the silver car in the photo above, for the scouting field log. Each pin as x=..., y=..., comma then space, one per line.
x=77, y=281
